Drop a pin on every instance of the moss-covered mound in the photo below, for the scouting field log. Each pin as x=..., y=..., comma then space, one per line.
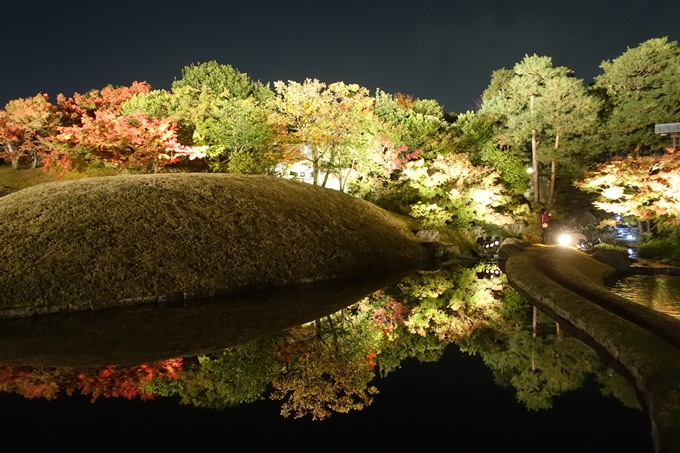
x=128, y=239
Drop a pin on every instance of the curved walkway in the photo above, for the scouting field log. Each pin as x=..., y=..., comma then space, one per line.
x=646, y=343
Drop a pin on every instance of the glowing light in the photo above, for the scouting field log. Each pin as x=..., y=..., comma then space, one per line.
x=630, y=237
x=530, y=170
x=564, y=239
x=631, y=251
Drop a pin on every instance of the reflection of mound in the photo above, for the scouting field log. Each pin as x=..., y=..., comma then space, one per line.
x=145, y=333
x=134, y=238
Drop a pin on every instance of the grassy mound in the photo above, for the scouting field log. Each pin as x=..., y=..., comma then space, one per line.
x=122, y=240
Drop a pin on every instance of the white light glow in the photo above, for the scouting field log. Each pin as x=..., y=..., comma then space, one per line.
x=564, y=239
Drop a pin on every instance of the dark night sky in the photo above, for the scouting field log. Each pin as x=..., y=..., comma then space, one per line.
x=444, y=50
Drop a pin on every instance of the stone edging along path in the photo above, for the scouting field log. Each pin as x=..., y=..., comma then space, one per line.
x=571, y=285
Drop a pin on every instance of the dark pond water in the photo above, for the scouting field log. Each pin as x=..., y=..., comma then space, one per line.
x=442, y=360
x=660, y=292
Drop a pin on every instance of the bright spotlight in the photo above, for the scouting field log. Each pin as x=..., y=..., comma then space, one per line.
x=564, y=239
x=630, y=237
x=530, y=170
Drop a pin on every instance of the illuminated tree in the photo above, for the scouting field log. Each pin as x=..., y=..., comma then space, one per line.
x=452, y=191
x=218, y=78
x=109, y=99
x=642, y=88
x=420, y=122
x=24, y=123
x=321, y=124
x=515, y=104
x=568, y=112
x=223, y=111
x=645, y=187
x=98, y=131
x=451, y=305
x=475, y=135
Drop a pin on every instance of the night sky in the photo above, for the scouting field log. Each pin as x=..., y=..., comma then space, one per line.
x=444, y=50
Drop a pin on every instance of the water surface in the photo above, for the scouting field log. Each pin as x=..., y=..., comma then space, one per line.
x=444, y=360
x=659, y=292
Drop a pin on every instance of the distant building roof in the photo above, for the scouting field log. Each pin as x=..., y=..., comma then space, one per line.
x=670, y=128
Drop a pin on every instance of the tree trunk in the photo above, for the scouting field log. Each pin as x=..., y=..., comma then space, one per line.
x=343, y=181
x=559, y=331
x=551, y=196
x=636, y=151
x=13, y=155
x=335, y=335
x=534, y=156
x=315, y=170
x=533, y=322
x=317, y=324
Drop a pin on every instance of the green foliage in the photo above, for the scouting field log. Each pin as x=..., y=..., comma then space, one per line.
x=615, y=385
x=154, y=104
x=452, y=191
x=421, y=122
x=645, y=187
x=228, y=378
x=605, y=246
x=237, y=136
x=219, y=78
x=500, y=82
x=666, y=245
x=451, y=305
x=424, y=348
x=641, y=88
x=476, y=137
x=539, y=368
x=542, y=107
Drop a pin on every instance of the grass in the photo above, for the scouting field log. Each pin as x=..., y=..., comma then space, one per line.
x=607, y=246
x=100, y=240
x=667, y=246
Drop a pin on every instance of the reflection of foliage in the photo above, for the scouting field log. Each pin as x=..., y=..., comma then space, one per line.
x=542, y=367
x=327, y=366
x=613, y=384
x=107, y=382
x=323, y=374
x=451, y=305
x=233, y=376
x=423, y=348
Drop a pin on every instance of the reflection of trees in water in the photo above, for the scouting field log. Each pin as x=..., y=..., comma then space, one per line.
x=543, y=366
x=108, y=382
x=328, y=365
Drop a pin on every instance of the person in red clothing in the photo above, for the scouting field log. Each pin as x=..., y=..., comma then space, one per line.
x=544, y=219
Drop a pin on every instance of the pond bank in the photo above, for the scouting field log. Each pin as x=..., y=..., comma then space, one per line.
x=129, y=240
x=571, y=285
